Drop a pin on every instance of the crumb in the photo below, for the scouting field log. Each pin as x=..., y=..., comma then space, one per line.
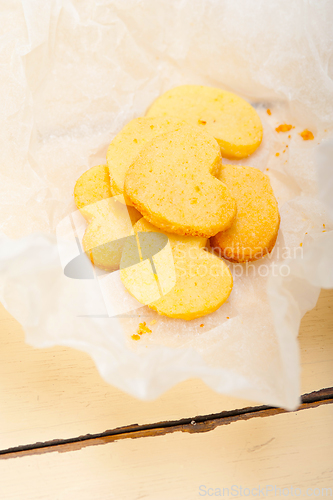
x=301, y=244
x=324, y=226
x=228, y=317
x=289, y=136
x=284, y=128
x=135, y=336
x=286, y=145
x=277, y=154
x=269, y=112
x=202, y=324
x=306, y=135
x=202, y=122
x=267, y=168
x=143, y=328
x=284, y=151
x=153, y=322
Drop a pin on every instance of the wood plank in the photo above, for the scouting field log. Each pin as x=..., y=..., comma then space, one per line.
x=57, y=393
x=203, y=423
x=316, y=344
x=288, y=450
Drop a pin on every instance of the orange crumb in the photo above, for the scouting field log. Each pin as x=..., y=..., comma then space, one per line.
x=267, y=168
x=135, y=336
x=289, y=136
x=277, y=154
x=269, y=112
x=227, y=317
x=202, y=122
x=284, y=128
x=324, y=226
x=153, y=322
x=306, y=135
x=284, y=151
x=301, y=244
x=286, y=145
x=143, y=328
x=202, y=324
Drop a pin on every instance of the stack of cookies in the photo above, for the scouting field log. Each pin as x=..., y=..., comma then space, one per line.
x=164, y=176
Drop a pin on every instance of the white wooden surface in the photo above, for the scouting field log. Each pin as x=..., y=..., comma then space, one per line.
x=287, y=450
x=57, y=393
x=43, y=396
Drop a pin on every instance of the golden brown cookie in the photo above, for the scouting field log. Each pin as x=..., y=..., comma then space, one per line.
x=109, y=218
x=230, y=119
x=110, y=222
x=187, y=283
x=172, y=183
x=92, y=186
x=126, y=146
x=255, y=227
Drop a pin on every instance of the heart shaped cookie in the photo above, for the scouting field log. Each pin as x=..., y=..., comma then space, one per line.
x=110, y=223
x=255, y=227
x=172, y=183
x=110, y=220
x=230, y=119
x=126, y=146
x=92, y=186
x=199, y=282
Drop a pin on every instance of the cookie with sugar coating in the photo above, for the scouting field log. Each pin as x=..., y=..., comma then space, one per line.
x=230, y=119
x=201, y=281
x=126, y=146
x=173, y=185
x=109, y=218
x=255, y=228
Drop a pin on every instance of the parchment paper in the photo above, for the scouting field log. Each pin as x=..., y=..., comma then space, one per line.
x=72, y=75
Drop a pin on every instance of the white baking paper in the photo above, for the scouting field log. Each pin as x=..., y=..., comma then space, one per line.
x=73, y=73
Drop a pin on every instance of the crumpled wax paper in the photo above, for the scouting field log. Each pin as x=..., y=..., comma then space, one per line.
x=73, y=73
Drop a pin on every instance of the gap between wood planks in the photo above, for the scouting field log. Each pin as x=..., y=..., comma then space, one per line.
x=201, y=423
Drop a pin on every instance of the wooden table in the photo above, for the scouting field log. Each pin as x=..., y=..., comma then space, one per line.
x=65, y=434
